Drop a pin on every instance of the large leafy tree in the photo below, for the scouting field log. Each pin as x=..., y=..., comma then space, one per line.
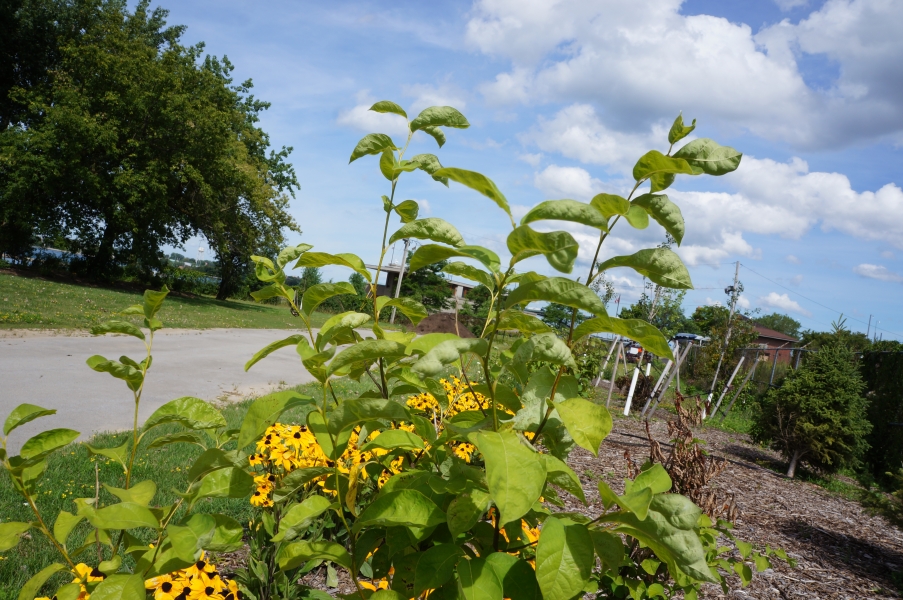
x=131, y=141
x=783, y=323
x=818, y=414
x=429, y=287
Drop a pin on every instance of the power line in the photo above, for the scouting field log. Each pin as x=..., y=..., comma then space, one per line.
x=796, y=293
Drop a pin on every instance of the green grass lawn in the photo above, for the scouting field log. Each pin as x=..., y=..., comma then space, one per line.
x=70, y=474
x=32, y=303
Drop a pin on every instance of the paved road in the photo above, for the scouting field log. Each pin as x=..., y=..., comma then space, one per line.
x=50, y=371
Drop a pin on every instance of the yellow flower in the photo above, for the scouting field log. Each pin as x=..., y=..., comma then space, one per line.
x=234, y=592
x=203, y=588
x=381, y=584
x=200, y=568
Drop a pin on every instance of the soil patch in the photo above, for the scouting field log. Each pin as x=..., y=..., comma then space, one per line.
x=444, y=323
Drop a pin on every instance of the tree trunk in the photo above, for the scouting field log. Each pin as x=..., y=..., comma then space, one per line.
x=791, y=470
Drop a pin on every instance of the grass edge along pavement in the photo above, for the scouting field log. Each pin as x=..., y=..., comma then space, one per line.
x=72, y=465
x=36, y=303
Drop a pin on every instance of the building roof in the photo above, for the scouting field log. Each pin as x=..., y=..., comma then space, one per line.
x=765, y=332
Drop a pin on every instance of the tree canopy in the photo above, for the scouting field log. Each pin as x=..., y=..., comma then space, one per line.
x=818, y=414
x=121, y=140
x=783, y=323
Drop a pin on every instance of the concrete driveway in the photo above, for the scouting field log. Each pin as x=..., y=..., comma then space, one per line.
x=48, y=369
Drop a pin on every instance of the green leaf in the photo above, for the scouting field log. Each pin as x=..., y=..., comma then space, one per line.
x=372, y=143
x=188, y=437
x=291, y=340
x=559, y=290
x=679, y=131
x=424, y=343
x=429, y=162
x=122, y=327
x=407, y=210
x=435, y=567
x=387, y=106
x=661, y=181
x=660, y=265
x=11, y=532
x=546, y=347
x=390, y=439
x=655, y=478
x=272, y=291
x=648, y=336
x=290, y=253
x=319, y=428
x=230, y=482
x=120, y=453
x=654, y=162
x=188, y=540
x=437, y=230
x=120, y=587
x=516, y=319
x=445, y=353
x=469, y=272
x=477, y=580
x=587, y=422
x=636, y=501
x=46, y=442
x=343, y=259
x=153, y=301
x=477, y=182
x=517, y=576
x=368, y=350
x=265, y=411
x=127, y=373
x=559, y=247
x=567, y=210
x=709, y=157
x=564, y=559
x=466, y=510
x=558, y=473
x=227, y=535
x=358, y=410
x=610, y=205
x=292, y=482
x=407, y=508
x=609, y=547
x=438, y=135
x=433, y=253
x=25, y=413
x=316, y=294
x=668, y=532
x=292, y=556
x=665, y=212
x=349, y=319
x=140, y=493
x=413, y=310
x=439, y=116
x=125, y=515
x=65, y=523
x=637, y=217
x=745, y=573
x=300, y=516
x=189, y=412
x=33, y=585
x=515, y=473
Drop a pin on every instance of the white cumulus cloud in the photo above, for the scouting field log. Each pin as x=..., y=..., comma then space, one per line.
x=567, y=182
x=878, y=272
x=783, y=302
x=640, y=60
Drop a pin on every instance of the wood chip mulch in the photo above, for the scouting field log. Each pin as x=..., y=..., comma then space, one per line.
x=841, y=551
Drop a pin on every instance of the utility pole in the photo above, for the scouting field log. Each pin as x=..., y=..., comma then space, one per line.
x=734, y=292
x=404, y=260
x=869, y=328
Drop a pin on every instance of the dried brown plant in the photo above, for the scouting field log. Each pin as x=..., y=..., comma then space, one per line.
x=691, y=469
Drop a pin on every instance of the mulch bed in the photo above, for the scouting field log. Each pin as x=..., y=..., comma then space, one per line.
x=841, y=551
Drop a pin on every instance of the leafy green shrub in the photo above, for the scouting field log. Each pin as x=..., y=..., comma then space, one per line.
x=446, y=494
x=817, y=413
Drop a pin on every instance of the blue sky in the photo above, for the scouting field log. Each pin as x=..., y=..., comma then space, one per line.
x=563, y=98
